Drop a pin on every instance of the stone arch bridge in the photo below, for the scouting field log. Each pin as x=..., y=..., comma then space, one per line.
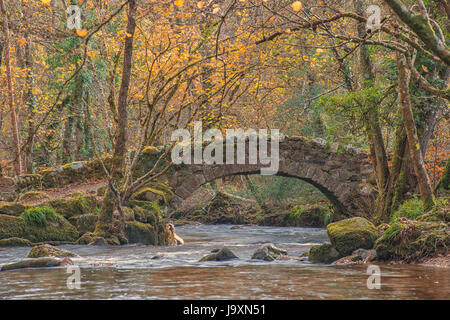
x=340, y=173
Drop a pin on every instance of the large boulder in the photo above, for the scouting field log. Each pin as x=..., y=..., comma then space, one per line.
x=138, y=232
x=84, y=223
x=11, y=227
x=15, y=242
x=11, y=208
x=351, y=234
x=324, y=253
x=222, y=254
x=268, y=252
x=75, y=206
x=58, y=230
x=46, y=250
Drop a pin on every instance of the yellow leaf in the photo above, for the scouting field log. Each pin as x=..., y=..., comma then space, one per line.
x=129, y=35
x=424, y=68
x=297, y=6
x=216, y=10
x=22, y=41
x=201, y=4
x=320, y=3
x=179, y=3
x=46, y=2
x=319, y=51
x=81, y=33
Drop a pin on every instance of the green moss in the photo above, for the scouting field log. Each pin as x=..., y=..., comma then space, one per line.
x=156, y=191
x=324, y=253
x=351, y=234
x=440, y=212
x=151, y=151
x=58, y=230
x=12, y=208
x=84, y=223
x=222, y=254
x=15, y=242
x=46, y=250
x=74, y=206
x=413, y=240
x=315, y=216
x=151, y=206
x=11, y=227
x=149, y=194
x=410, y=209
x=138, y=232
x=40, y=216
x=144, y=215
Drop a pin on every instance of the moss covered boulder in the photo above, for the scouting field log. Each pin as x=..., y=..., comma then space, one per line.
x=86, y=238
x=84, y=223
x=57, y=230
x=324, y=253
x=11, y=208
x=60, y=230
x=222, y=254
x=268, y=252
x=11, y=227
x=413, y=240
x=149, y=194
x=138, y=232
x=75, y=206
x=351, y=234
x=46, y=250
x=15, y=242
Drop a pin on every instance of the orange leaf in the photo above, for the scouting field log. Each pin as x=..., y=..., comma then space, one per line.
x=297, y=6
x=81, y=33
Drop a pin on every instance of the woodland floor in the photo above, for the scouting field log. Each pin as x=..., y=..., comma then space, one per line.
x=87, y=187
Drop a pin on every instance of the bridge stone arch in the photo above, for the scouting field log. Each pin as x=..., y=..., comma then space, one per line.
x=340, y=173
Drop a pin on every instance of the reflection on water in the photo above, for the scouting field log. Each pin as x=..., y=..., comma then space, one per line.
x=131, y=274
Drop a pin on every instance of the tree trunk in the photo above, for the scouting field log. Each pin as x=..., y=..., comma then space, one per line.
x=14, y=125
x=426, y=192
x=105, y=226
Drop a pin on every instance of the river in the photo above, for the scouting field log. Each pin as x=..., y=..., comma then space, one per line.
x=128, y=272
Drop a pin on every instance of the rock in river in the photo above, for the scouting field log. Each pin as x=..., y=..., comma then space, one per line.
x=324, y=253
x=351, y=234
x=268, y=252
x=46, y=250
x=220, y=255
x=44, y=262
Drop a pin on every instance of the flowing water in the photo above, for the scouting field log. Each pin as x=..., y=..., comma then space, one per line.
x=129, y=272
